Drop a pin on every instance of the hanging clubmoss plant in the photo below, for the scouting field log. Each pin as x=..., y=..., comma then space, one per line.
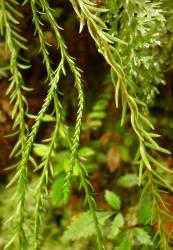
x=134, y=38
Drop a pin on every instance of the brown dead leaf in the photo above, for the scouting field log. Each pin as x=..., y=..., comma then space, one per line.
x=167, y=221
x=96, y=181
x=85, y=137
x=116, y=137
x=105, y=138
x=113, y=158
x=74, y=200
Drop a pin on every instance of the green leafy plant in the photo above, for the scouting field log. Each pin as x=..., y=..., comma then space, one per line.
x=128, y=236
x=130, y=36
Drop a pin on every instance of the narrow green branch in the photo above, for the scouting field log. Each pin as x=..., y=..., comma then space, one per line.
x=92, y=206
x=14, y=42
x=41, y=191
x=78, y=83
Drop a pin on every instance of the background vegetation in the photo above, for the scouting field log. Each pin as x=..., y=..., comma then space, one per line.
x=85, y=93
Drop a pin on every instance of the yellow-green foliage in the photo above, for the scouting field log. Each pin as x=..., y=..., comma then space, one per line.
x=130, y=35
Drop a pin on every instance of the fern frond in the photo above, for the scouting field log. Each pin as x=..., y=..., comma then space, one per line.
x=83, y=226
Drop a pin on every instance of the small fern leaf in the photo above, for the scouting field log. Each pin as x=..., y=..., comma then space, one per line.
x=84, y=225
x=142, y=236
x=113, y=199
